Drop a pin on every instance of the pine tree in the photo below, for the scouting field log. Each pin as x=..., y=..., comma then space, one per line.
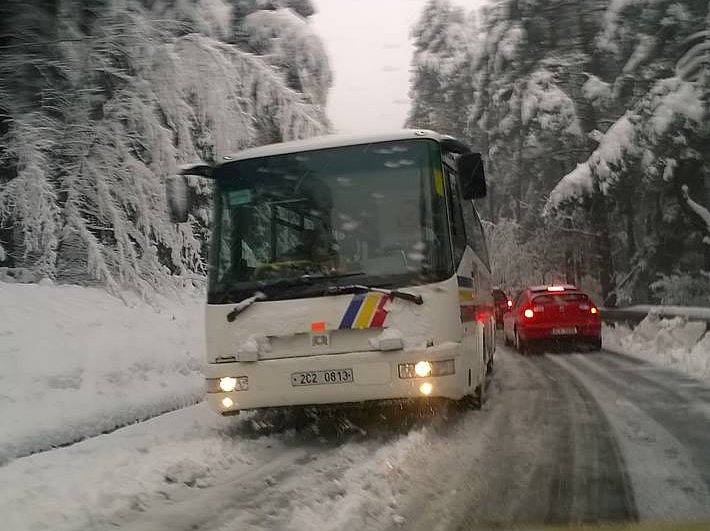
x=129, y=90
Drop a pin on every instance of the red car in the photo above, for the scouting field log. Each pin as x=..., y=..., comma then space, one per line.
x=552, y=313
x=502, y=304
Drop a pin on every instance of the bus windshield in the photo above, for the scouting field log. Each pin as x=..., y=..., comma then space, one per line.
x=373, y=214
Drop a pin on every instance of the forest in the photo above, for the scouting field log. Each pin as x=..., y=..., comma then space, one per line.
x=592, y=116
x=102, y=100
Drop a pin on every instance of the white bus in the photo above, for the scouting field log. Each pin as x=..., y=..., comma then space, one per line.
x=345, y=270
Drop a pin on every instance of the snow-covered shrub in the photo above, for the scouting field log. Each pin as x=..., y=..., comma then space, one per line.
x=683, y=289
x=518, y=260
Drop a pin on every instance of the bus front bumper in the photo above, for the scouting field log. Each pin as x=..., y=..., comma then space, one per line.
x=375, y=377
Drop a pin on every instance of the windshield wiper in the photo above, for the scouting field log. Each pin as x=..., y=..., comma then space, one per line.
x=303, y=280
x=243, y=305
x=359, y=288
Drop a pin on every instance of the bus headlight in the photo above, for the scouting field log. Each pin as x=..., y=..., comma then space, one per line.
x=424, y=368
x=227, y=384
x=426, y=388
x=227, y=402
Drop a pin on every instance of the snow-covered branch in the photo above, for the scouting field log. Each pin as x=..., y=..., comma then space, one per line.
x=144, y=89
x=702, y=212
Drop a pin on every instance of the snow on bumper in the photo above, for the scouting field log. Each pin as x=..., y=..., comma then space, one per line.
x=375, y=377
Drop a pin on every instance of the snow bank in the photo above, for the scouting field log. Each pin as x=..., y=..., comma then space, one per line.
x=75, y=362
x=678, y=343
x=104, y=480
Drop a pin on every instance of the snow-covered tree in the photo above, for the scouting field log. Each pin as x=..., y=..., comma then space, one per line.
x=440, y=69
x=652, y=154
x=101, y=103
x=602, y=101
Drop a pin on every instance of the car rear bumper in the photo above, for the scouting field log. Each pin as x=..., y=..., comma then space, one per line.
x=375, y=377
x=584, y=332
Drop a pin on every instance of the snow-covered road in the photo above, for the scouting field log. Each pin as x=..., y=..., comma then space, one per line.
x=562, y=438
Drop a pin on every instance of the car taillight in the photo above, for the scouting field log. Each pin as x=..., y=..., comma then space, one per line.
x=529, y=313
x=510, y=304
x=593, y=310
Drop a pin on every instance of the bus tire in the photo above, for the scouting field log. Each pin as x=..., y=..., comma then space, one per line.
x=469, y=402
x=479, y=395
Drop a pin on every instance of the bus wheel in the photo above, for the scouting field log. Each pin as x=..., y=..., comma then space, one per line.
x=479, y=395
x=473, y=401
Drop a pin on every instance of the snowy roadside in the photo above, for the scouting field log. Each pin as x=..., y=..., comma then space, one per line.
x=87, y=485
x=678, y=343
x=191, y=468
x=76, y=362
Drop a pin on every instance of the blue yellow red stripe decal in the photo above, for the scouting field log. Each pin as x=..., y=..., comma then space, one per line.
x=465, y=282
x=467, y=299
x=365, y=311
x=378, y=319
x=466, y=295
x=351, y=313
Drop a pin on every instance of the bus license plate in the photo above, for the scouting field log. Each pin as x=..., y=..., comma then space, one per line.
x=564, y=331
x=332, y=376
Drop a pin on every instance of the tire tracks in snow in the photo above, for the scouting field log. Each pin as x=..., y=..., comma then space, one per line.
x=541, y=452
x=590, y=483
x=664, y=443
x=206, y=508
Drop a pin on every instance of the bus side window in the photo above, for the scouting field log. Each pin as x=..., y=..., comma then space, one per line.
x=474, y=230
x=458, y=231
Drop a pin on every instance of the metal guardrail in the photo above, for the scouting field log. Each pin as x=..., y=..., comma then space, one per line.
x=635, y=316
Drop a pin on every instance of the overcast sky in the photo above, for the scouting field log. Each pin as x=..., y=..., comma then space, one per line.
x=370, y=52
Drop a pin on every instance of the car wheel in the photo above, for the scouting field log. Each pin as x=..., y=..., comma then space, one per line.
x=520, y=344
x=596, y=344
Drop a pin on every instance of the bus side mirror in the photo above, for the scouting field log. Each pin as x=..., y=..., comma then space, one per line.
x=471, y=176
x=177, y=191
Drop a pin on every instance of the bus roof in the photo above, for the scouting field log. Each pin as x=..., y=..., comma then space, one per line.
x=330, y=141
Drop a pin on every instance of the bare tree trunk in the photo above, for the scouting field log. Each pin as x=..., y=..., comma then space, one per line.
x=630, y=233
x=569, y=256
x=518, y=164
x=602, y=244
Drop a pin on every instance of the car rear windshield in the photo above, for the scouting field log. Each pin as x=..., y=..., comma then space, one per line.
x=560, y=297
